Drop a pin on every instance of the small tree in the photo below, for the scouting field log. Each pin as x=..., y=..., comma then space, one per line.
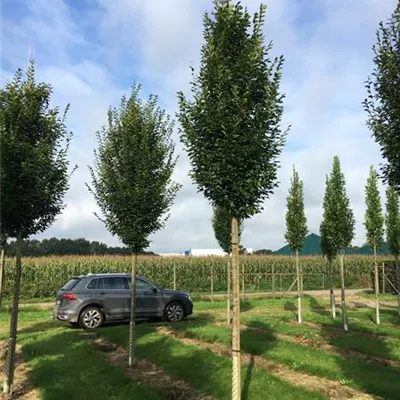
x=131, y=178
x=3, y=243
x=393, y=230
x=374, y=225
x=231, y=127
x=382, y=102
x=34, y=173
x=327, y=247
x=338, y=224
x=296, y=228
x=222, y=226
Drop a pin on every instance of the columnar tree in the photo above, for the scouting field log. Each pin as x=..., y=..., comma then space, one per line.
x=296, y=228
x=382, y=102
x=222, y=226
x=374, y=225
x=3, y=242
x=231, y=127
x=392, y=222
x=34, y=174
x=131, y=178
x=338, y=224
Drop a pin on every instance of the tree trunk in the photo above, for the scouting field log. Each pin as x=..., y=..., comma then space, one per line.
x=378, y=319
x=2, y=262
x=396, y=257
x=344, y=311
x=383, y=279
x=273, y=280
x=299, y=316
x=332, y=292
x=212, y=282
x=236, y=381
x=228, y=306
x=9, y=369
x=242, y=281
x=132, y=358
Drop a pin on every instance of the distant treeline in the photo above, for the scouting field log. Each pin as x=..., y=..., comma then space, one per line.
x=64, y=247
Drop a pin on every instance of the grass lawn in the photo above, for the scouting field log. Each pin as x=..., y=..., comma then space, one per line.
x=63, y=364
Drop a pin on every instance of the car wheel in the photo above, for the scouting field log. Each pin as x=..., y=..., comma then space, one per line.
x=91, y=318
x=174, y=312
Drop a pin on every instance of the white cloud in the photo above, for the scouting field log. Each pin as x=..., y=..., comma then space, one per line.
x=92, y=59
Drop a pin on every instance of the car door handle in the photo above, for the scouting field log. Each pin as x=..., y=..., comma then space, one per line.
x=102, y=292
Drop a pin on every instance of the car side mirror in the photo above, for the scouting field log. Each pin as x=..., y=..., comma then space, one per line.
x=155, y=290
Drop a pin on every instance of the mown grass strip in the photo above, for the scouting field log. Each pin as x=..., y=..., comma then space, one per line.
x=66, y=366
x=205, y=371
x=369, y=377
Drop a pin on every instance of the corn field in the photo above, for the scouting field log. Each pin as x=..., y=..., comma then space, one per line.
x=42, y=277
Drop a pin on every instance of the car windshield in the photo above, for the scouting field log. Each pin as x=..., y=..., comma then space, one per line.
x=71, y=284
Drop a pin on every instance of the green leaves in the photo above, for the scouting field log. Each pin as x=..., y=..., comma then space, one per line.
x=222, y=225
x=337, y=227
x=392, y=220
x=132, y=171
x=374, y=214
x=34, y=143
x=296, y=222
x=231, y=127
x=383, y=93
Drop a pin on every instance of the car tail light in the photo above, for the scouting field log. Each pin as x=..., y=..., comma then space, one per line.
x=69, y=296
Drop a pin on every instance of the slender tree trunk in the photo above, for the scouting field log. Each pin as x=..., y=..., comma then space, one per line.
x=299, y=316
x=383, y=279
x=396, y=257
x=228, y=306
x=236, y=381
x=332, y=291
x=378, y=319
x=2, y=262
x=242, y=281
x=132, y=358
x=344, y=311
x=212, y=282
x=273, y=280
x=12, y=341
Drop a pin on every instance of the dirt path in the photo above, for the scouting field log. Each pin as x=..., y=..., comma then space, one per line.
x=324, y=346
x=23, y=390
x=148, y=373
x=334, y=390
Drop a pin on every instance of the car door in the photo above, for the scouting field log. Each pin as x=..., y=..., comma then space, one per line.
x=116, y=296
x=149, y=297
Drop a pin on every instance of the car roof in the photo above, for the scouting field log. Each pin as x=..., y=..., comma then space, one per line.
x=109, y=274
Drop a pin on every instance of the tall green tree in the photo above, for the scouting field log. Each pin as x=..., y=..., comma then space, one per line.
x=231, y=127
x=338, y=224
x=34, y=176
x=132, y=178
x=383, y=93
x=222, y=226
x=374, y=225
x=392, y=221
x=296, y=229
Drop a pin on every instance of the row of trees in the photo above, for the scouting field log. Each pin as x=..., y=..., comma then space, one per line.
x=64, y=247
x=230, y=129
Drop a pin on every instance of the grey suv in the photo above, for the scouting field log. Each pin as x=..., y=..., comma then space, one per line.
x=90, y=300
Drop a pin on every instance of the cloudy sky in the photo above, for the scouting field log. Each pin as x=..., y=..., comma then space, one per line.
x=91, y=51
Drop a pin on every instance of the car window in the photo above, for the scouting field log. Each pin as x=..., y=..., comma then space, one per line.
x=141, y=285
x=95, y=284
x=114, y=283
x=70, y=284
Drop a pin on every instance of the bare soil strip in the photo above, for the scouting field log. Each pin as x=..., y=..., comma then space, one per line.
x=326, y=347
x=23, y=390
x=334, y=390
x=148, y=373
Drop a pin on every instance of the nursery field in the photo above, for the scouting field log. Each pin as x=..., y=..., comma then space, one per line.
x=191, y=359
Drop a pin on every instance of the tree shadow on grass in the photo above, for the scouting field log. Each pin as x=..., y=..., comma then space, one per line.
x=289, y=306
x=371, y=376
x=317, y=308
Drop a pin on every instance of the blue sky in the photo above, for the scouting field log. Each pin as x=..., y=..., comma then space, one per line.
x=91, y=51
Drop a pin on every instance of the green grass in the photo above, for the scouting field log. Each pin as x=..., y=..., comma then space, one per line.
x=208, y=373
x=371, y=377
